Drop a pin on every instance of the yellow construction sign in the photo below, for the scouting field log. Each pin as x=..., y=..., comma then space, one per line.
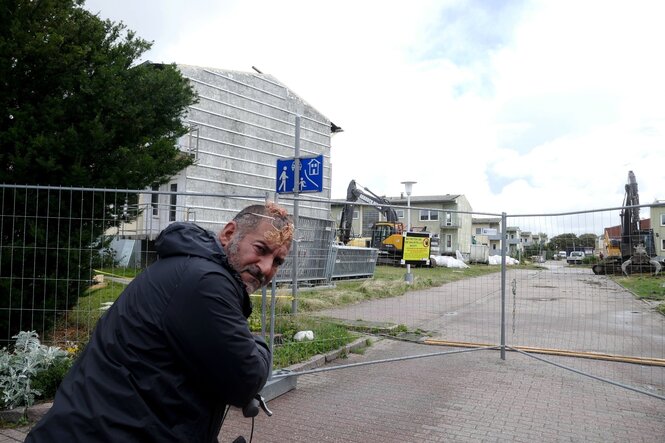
x=416, y=247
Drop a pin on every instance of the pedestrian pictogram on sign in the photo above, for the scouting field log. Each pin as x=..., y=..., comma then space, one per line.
x=310, y=178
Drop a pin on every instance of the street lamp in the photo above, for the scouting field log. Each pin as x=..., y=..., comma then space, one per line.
x=408, y=187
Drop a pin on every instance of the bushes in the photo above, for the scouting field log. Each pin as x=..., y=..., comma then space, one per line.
x=47, y=381
x=30, y=361
x=590, y=260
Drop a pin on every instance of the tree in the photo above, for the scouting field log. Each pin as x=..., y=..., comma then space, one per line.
x=77, y=110
x=563, y=241
x=588, y=240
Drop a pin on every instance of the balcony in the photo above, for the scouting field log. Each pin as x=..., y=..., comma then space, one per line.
x=450, y=222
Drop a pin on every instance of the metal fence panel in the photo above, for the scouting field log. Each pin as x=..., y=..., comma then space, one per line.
x=553, y=309
x=352, y=262
x=58, y=243
x=315, y=238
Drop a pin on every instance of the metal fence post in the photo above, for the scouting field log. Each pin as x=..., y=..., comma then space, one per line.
x=296, y=190
x=504, y=247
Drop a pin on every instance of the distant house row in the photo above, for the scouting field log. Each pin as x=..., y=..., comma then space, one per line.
x=448, y=217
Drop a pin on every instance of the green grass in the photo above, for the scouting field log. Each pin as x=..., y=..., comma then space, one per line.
x=645, y=287
x=79, y=321
x=327, y=337
x=387, y=282
x=83, y=317
x=121, y=272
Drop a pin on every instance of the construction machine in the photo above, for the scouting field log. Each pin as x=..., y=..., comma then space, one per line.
x=611, y=245
x=386, y=236
x=636, y=247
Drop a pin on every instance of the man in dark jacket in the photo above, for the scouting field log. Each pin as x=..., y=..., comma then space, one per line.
x=175, y=348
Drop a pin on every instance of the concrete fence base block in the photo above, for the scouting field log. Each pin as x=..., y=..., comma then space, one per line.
x=278, y=386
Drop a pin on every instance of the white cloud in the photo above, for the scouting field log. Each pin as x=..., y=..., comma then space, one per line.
x=523, y=107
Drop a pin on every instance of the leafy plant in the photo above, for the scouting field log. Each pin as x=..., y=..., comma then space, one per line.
x=19, y=367
x=590, y=260
x=48, y=380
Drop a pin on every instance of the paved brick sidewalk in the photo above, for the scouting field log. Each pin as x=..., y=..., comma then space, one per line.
x=469, y=397
x=12, y=435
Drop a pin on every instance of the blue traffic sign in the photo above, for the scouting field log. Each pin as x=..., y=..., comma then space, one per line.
x=310, y=177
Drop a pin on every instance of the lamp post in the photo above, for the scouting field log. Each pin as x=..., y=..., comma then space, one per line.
x=408, y=187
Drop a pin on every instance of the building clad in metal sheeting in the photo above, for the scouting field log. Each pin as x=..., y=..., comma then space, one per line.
x=242, y=124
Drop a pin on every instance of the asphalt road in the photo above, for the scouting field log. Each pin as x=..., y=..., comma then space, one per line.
x=476, y=396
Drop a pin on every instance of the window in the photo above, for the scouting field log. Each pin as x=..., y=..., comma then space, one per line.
x=154, y=201
x=400, y=213
x=662, y=244
x=479, y=231
x=174, y=201
x=356, y=214
x=426, y=214
x=449, y=241
x=662, y=219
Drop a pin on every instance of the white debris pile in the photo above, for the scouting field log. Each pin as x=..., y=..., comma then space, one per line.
x=447, y=262
x=496, y=260
x=303, y=335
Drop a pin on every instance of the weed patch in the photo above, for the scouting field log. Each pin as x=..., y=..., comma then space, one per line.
x=646, y=287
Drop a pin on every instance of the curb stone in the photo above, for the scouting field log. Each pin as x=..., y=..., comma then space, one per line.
x=321, y=359
x=13, y=415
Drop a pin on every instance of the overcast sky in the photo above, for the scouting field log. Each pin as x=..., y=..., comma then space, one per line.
x=522, y=106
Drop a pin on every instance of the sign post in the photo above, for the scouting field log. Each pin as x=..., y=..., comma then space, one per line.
x=294, y=188
x=295, y=176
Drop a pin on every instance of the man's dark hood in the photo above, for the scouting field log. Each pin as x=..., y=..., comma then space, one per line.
x=190, y=239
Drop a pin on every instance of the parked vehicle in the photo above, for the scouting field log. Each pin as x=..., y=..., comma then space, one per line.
x=561, y=255
x=575, y=257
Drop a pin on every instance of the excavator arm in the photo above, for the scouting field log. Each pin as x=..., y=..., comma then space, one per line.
x=355, y=193
x=346, y=220
x=630, y=217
